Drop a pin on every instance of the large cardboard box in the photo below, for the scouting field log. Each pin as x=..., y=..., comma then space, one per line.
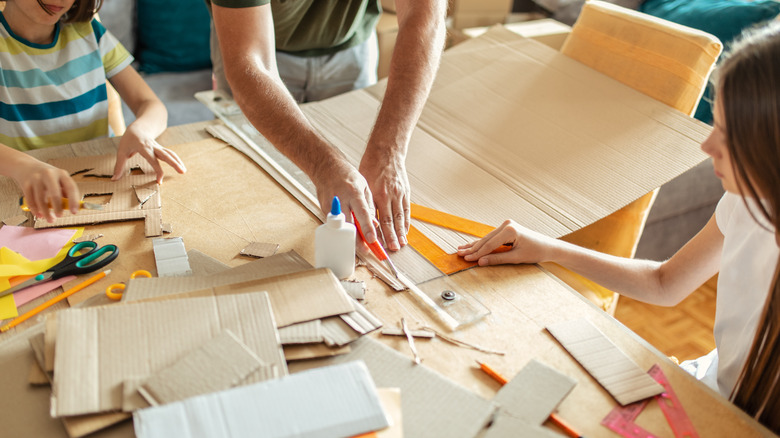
x=474, y=13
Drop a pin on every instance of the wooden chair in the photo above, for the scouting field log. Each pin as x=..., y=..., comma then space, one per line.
x=661, y=59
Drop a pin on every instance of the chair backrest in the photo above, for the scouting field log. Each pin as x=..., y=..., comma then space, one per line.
x=661, y=59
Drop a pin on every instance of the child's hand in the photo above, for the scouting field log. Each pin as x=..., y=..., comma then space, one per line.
x=44, y=185
x=135, y=143
x=527, y=246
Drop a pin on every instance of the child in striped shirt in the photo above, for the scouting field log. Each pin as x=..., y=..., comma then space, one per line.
x=55, y=58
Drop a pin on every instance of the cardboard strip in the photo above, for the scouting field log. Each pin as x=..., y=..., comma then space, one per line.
x=312, y=351
x=615, y=371
x=220, y=363
x=336, y=332
x=361, y=320
x=340, y=399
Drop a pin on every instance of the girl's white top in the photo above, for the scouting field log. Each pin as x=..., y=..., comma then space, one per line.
x=750, y=255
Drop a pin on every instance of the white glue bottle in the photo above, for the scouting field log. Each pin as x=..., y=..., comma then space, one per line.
x=334, y=243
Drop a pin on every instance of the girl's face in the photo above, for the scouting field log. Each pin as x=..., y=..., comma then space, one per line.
x=31, y=21
x=715, y=147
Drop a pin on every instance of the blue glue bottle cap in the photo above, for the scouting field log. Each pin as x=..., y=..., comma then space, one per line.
x=335, y=206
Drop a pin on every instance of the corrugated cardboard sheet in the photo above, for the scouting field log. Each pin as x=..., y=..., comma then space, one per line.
x=335, y=401
x=432, y=405
x=99, y=348
x=514, y=129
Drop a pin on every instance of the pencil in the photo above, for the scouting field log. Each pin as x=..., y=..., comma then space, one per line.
x=555, y=418
x=27, y=315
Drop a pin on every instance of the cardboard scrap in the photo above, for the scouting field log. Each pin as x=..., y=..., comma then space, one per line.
x=88, y=238
x=99, y=348
x=284, y=263
x=339, y=400
x=337, y=333
x=144, y=193
x=355, y=289
x=37, y=374
x=220, y=363
x=534, y=393
x=432, y=405
x=507, y=426
x=171, y=257
x=308, y=332
x=312, y=351
x=202, y=264
x=397, y=331
x=123, y=205
x=615, y=371
x=260, y=249
x=361, y=320
x=15, y=220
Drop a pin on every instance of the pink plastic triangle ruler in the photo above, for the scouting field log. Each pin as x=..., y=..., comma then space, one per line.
x=621, y=419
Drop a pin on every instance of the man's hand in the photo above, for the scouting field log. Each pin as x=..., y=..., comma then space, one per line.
x=389, y=185
x=341, y=179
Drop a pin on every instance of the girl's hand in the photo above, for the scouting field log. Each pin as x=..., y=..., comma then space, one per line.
x=527, y=246
x=44, y=186
x=136, y=143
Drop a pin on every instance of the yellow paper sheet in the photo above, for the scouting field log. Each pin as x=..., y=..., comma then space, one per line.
x=13, y=264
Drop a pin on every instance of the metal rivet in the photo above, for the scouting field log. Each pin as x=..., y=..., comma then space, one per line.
x=448, y=295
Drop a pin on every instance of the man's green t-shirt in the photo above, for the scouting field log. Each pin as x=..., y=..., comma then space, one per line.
x=317, y=27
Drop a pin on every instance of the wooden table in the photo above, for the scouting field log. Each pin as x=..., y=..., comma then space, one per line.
x=225, y=201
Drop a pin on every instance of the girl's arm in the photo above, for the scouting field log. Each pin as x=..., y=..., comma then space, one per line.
x=42, y=184
x=663, y=283
x=151, y=120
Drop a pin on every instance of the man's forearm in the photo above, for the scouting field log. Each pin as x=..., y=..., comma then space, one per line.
x=413, y=67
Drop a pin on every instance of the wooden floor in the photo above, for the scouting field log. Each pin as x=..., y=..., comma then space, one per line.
x=683, y=331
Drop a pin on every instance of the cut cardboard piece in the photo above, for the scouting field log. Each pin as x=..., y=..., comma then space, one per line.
x=260, y=249
x=432, y=405
x=312, y=351
x=99, y=348
x=220, y=363
x=308, y=332
x=534, y=393
x=507, y=426
x=279, y=264
x=614, y=371
x=95, y=179
x=15, y=220
x=339, y=400
x=355, y=289
x=171, y=257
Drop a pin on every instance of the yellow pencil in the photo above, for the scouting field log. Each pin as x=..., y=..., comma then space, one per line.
x=27, y=315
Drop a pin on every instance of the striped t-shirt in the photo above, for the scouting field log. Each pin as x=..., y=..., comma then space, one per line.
x=55, y=93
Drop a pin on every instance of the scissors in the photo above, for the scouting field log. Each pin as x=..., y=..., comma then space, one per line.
x=116, y=290
x=76, y=262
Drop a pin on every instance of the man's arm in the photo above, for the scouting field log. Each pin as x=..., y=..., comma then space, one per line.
x=421, y=34
x=246, y=40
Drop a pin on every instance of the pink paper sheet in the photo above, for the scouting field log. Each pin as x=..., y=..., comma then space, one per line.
x=35, y=244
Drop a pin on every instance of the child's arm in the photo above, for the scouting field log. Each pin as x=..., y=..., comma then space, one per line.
x=151, y=120
x=42, y=184
x=663, y=283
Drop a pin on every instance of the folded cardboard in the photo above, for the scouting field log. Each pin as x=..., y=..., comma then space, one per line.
x=335, y=401
x=99, y=348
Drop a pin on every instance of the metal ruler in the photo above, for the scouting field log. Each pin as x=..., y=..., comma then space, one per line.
x=621, y=419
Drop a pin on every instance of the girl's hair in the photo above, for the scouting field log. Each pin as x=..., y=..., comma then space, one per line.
x=82, y=10
x=748, y=84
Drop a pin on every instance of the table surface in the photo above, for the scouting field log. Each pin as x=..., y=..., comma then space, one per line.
x=225, y=201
